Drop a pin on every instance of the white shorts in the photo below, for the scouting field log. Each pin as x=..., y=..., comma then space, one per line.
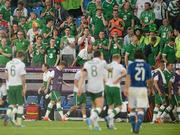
x=138, y=97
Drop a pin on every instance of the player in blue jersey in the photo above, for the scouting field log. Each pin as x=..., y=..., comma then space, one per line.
x=138, y=80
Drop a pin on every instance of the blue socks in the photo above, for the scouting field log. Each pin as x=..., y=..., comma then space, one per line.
x=140, y=118
x=132, y=120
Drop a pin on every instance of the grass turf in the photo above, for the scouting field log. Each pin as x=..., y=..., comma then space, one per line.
x=80, y=128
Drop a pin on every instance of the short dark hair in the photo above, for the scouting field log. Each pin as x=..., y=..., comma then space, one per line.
x=97, y=54
x=49, y=19
x=39, y=36
x=148, y=3
x=139, y=54
x=62, y=63
x=46, y=65
x=168, y=63
x=20, y=54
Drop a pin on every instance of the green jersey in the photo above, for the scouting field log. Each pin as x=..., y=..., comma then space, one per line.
x=21, y=45
x=127, y=16
x=3, y=59
x=46, y=30
x=98, y=25
x=38, y=54
x=168, y=75
x=48, y=15
x=130, y=50
x=154, y=52
x=169, y=52
x=6, y=13
x=163, y=32
x=73, y=31
x=91, y=9
x=132, y=2
x=52, y=56
x=108, y=9
x=116, y=47
x=103, y=42
x=58, y=41
x=147, y=16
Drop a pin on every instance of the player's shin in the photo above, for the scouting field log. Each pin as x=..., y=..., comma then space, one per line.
x=132, y=119
x=59, y=109
x=114, y=112
x=161, y=110
x=49, y=108
x=20, y=112
x=14, y=111
x=83, y=110
x=95, y=115
x=178, y=112
x=155, y=112
x=9, y=111
x=140, y=118
x=166, y=112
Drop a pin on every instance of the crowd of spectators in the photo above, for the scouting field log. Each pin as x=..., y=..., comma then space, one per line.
x=48, y=33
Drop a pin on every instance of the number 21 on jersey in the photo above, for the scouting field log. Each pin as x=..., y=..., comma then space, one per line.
x=140, y=74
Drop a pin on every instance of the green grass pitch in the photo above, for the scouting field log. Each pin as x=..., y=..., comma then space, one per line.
x=80, y=128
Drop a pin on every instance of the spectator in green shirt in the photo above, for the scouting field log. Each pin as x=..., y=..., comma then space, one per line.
x=115, y=44
x=169, y=52
x=107, y=6
x=130, y=50
x=5, y=52
x=22, y=44
x=127, y=15
x=102, y=44
x=48, y=11
x=98, y=22
x=47, y=31
x=37, y=51
x=6, y=10
x=91, y=8
x=52, y=54
x=164, y=31
x=147, y=17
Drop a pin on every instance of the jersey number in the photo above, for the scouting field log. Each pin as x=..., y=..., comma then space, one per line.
x=12, y=70
x=94, y=71
x=110, y=73
x=140, y=74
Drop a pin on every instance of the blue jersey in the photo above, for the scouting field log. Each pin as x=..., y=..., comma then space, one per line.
x=139, y=72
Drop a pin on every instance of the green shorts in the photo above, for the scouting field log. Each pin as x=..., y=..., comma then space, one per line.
x=159, y=99
x=15, y=95
x=94, y=96
x=113, y=95
x=175, y=100
x=55, y=96
x=78, y=100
